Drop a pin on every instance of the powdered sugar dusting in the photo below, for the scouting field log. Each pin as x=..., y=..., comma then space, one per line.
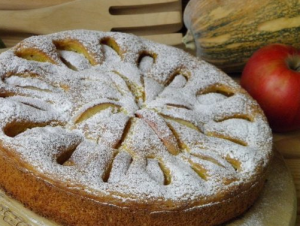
x=138, y=119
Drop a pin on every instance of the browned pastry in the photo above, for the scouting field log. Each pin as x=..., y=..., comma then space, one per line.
x=111, y=129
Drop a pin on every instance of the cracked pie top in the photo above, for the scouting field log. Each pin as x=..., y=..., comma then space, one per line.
x=110, y=129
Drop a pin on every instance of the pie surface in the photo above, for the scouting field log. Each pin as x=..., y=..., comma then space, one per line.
x=126, y=121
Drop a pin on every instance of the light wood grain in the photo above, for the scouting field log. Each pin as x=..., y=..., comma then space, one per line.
x=289, y=147
x=141, y=17
x=12, y=38
x=28, y=4
x=294, y=165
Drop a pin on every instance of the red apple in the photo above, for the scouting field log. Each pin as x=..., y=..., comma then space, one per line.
x=272, y=77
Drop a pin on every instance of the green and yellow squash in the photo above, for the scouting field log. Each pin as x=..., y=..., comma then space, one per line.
x=227, y=32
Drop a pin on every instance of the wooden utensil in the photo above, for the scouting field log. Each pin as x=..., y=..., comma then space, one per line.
x=159, y=20
x=28, y=4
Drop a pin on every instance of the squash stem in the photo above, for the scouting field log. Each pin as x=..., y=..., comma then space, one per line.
x=188, y=40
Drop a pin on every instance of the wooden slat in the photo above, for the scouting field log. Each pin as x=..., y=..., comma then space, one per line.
x=174, y=39
x=294, y=166
x=12, y=38
x=288, y=135
x=170, y=39
x=289, y=148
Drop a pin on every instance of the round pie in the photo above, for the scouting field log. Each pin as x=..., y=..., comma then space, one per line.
x=103, y=128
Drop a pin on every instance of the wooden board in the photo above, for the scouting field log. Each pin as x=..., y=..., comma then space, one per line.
x=158, y=20
x=275, y=207
x=288, y=144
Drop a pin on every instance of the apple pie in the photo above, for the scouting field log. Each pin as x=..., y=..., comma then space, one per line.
x=104, y=128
